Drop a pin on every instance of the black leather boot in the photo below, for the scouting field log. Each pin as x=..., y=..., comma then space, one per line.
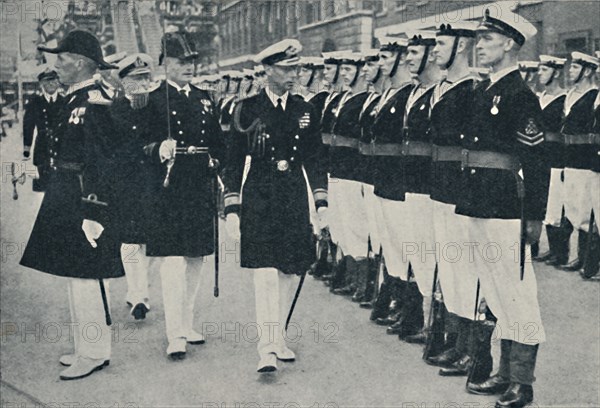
x=381, y=305
x=551, y=252
x=592, y=259
x=516, y=396
x=362, y=271
x=577, y=264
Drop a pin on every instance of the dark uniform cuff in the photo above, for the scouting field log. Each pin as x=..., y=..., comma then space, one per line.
x=232, y=203
x=320, y=197
x=95, y=209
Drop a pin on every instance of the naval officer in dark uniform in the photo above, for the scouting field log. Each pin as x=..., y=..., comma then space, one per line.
x=280, y=133
x=182, y=205
x=74, y=235
x=504, y=186
x=40, y=114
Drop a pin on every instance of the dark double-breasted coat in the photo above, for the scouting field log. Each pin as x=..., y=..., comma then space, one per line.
x=40, y=114
x=506, y=119
x=81, y=160
x=449, y=122
x=182, y=214
x=274, y=214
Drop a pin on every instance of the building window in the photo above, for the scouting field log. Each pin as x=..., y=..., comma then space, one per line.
x=400, y=5
x=576, y=41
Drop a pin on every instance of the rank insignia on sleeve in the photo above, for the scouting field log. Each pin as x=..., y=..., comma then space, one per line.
x=532, y=134
x=304, y=121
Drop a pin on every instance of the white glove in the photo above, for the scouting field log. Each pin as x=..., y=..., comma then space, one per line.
x=322, y=218
x=232, y=226
x=92, y=230
x=167, y=150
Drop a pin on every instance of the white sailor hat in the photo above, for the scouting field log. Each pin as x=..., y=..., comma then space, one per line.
x=458, y=29
x=392, y=43
x=284, y=53
x=552, y=61
x=371, y=55
x=248, y=73
x=422, y=37
x=312, y=62
x=259, y=69
x=529, y=65
x=332, y=57
x=584, y=59
x=351, y=58
x=115, y=58
x=507, y=23
x=135, y=64
x=233, y=74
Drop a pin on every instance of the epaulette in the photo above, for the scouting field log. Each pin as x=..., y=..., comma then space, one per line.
x=96, y=97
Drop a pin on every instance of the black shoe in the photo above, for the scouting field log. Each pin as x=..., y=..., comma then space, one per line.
x=543, y=257
x=553, y=260
x=459, y=369
x=345, y=291
x=389, y=320
x=517, y=396
x=417, y=338
x=446, y=359
x=574, y=266
x=367, y=305
x=493, y=385
x=396, y=328
x=139, y=311
x=358, y=296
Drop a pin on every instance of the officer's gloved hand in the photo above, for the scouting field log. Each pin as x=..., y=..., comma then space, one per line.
x=232, y=226
x=92, y=230
x=167, y=150
x=322, y=218
x=534, y=230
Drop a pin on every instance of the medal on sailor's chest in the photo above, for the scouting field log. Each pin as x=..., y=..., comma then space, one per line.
x=494, y=111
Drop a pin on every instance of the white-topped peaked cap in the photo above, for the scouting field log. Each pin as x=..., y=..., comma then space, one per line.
x=500, y=18
x=282, y=53
x=135, y=64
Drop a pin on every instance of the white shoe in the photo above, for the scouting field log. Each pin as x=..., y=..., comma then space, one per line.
x=176, y=349
x=194, y=337
x=285, y=354
x=82, y=367
x=267, y=363
x=67, y=359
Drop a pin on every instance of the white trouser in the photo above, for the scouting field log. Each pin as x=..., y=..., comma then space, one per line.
x=410, y=237
x=91, y=336
x=390, y=216
x=374, y=216
x=347, y=216
x=513, y=301
x=457, y=276
x=274, y=292
x=582, y=194
x=136, y=266
x=556, y=197
x=180, y=277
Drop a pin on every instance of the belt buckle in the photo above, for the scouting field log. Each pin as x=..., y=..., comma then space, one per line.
x=464, y=158
x=283, y=165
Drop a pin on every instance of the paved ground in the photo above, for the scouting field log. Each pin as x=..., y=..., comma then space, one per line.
x=343, y=359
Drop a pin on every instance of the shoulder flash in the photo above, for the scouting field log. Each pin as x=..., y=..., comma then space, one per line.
x=95, y=97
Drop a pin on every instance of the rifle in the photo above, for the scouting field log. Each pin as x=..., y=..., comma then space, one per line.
x=436, y=324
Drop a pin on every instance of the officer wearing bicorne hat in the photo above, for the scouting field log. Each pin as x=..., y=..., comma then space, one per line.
x=74, y=235
x=280, y=133
x=504, y=187
x=581, y=164
x=40, y=114
x=184, y=149
x=130, y=122
x=552, y=101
